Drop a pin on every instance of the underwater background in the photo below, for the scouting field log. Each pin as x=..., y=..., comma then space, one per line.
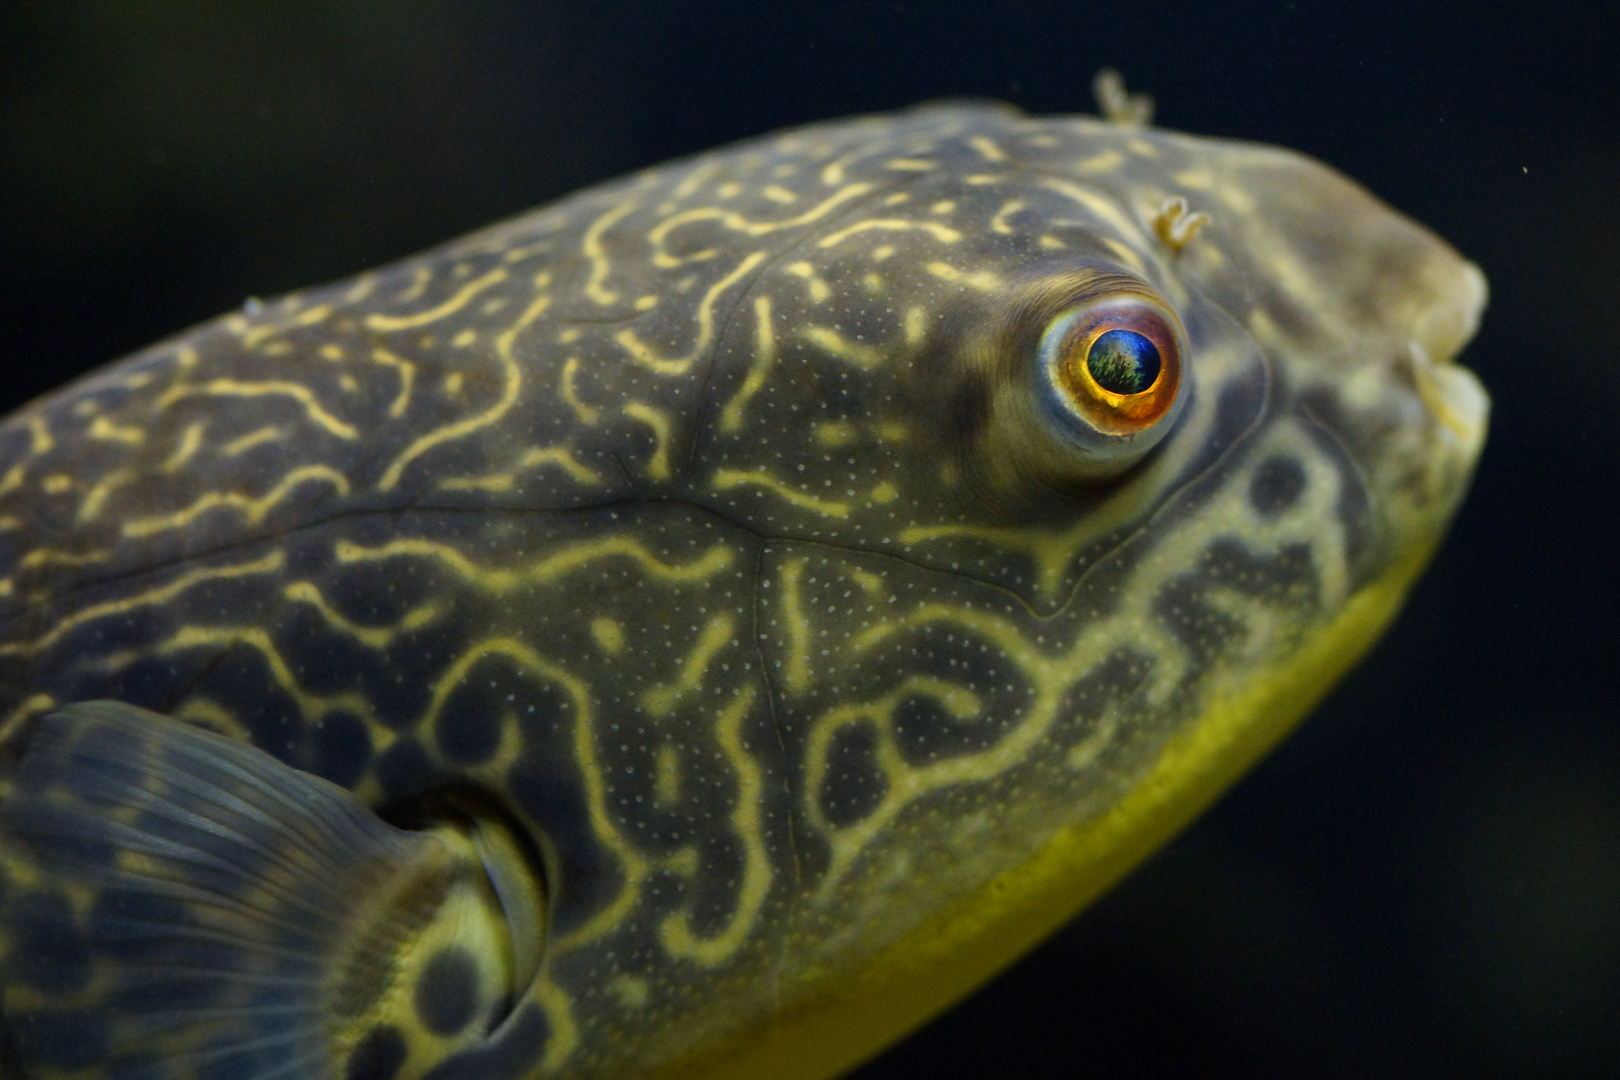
x=1425, y=879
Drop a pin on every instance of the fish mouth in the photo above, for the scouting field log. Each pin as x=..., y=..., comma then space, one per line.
x=1451, y=394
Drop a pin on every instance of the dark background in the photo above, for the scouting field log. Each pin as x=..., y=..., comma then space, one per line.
x=1425, y=881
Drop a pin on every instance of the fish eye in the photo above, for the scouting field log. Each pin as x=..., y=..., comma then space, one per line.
x=1123, y=362
x=1110, y=370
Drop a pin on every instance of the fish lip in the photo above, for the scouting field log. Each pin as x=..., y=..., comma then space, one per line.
x=1451, y=322
x=1450, y=393
x=1452, y=396
x=1481, y=292
x=1474, y=295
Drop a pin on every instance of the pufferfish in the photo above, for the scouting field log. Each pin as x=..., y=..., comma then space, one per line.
x=706, y=625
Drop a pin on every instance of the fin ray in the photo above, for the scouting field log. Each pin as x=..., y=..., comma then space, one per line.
x=68, y=824
x=206, y=890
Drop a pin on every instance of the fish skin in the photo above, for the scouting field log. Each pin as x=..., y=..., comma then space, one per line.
x=703, y=524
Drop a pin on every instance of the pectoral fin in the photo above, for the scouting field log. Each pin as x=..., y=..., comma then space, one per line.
x=180, y=905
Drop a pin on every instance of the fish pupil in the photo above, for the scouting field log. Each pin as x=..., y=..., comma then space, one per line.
x=1123, y=362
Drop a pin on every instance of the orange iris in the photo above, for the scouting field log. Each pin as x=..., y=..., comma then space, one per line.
x=1121, y=343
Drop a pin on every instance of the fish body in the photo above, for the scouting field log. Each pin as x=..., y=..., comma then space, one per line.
x=706, y=625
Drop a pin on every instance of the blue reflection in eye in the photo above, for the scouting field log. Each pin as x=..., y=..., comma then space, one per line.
x=1123, y=362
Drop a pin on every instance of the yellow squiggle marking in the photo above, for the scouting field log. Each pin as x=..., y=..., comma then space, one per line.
x=1052, y=550
x=798, y=627
x=943, y=233
x=832, y=342
x=735, y=222
x=375, y=637
x=661, y=700
x=678, y=365
x=97, y=495
x=998, y=224
x=252, y=336
x=185, y=450
x=247, y=442
x=407, y=378
x=910, y=164
x=871, y=584
x=28, y=708
x=983, y=280
x=13, y=479
x=233, y=388
x=386, y=323
x=587, y=413
x=987, y=149
x=592, y=247
x=551, y=568
x=56, y=557
x=694, y=180
x=151, y=598
x=667, y=775
x=609, y=635
x=959, y=701
x=835, y=432
x=558, y=1006
x=1126, y=255
x=210, y=714
x=1051, y=677
x=105, y=430
x=419, y=283
x=746, y=818
x=730, y=478
x=1106, y=161
x=833, y=172
x=534, y=457
x=585, y=755
x=819, y=289
x=908, y=782
x=253, y=510
x=514, y=382
x=364, y=286
x=658, y=420
x=1049, y=550
x=712, y=561
x=1100, y=206
x=42, y=443
x=915, y=325
x=758, y=369
x=563, y=458
x=311, y=706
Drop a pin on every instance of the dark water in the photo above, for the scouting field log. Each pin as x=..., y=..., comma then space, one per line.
x=1425, y=881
